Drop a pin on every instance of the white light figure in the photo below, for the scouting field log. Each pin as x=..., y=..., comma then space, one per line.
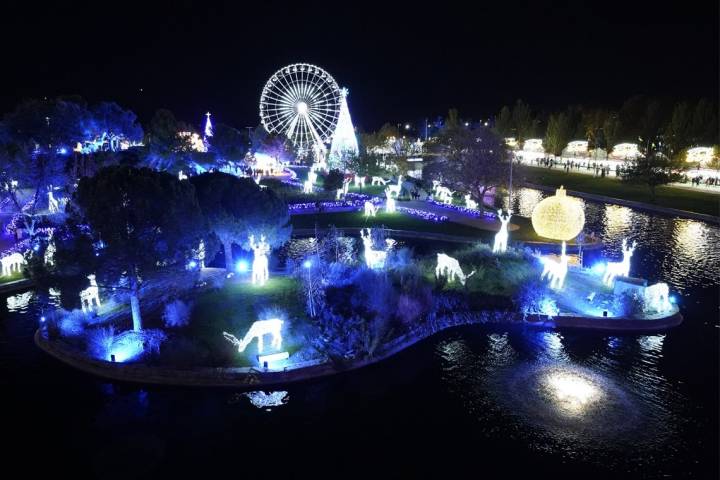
x=346, y=185
x=436, y=184
x=555, y=270
x=12, y=262
x=338, y=193
x=312, y=177
x=265, y=400
x=260, y=273
x=90, y=295
x=501, y=238
x=320, y=165
x=53, y=205
x=374, y=258
x=378, y=181
x=201, y=254
x=395, y=189
x=470, y=203
x=657, y=297
x=370, y=209
x=307, y=186
x=49, y=257
x=257, y=330
x=182, y=176
x=359, y=181
x=449, y=267
x=208, y=126
x=389, y=202
x=444, y=194
x=344, y=142
x=615, y=269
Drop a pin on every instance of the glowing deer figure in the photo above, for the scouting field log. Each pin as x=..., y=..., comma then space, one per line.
x=307, y=186
x=90, y=295
x=260, y=273
x=444, y=194
x=449, y=267
x=312, y=177
x=436, y=184
x=182, y=176
x=395, y=189
x=322, y=165
x=53, y=205
x=370, y=209
x=615, y=269
x=501, y=238
x=374, y=258
x=378, y=181
x=12, y=262
x=555, y=270
x=469, y=202
x=389, y=202
x=359, y=181
x=257, y=330
x=49, y=257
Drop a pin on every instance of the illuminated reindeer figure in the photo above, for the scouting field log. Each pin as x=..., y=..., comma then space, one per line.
x=470, y=203
x=90, y=295
x=257, y=330
x=555, y=270
x=615, y=269
x=312, y=177
x=450, y=268
x=341, y=192
x=374, y=258
x=444, y=194
x=389, y=202
x=395, y=189
x=378, y=181
x=307, y=186
x=370, y=209
x=501, y=238
x=260, y=273
x=359, y=181
x=11, y=262
x=53, y=205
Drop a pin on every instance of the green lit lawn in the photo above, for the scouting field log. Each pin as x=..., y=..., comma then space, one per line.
x=673, y=197
x=11, y=278
x=235, y=307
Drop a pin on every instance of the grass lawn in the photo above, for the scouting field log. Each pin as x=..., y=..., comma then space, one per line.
x=235, y=307
x=396, y=221
x=673, y=197
x=11, y=278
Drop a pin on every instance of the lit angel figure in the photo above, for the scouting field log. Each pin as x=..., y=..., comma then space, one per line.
x=307, y=186
x=90, y=295
x=12, y=263
x=260, y=273
x=469, y=202
x=619, y=269
x=378, y=181
x=359, y=181
x=374, y=258
x=501, y=238
x=449, y=267
x=389, y=202
x=257, y=330
x=555, y=270
x=657, y=298
x=395, y=189
x=370, y=209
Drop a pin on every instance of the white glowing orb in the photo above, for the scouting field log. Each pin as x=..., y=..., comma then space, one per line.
x=572, y=393
x=258, y=330
x=558, y=217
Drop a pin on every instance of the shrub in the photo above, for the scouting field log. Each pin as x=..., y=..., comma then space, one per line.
x=100, y=342
x=627, y=305
x=176, y=314
x=71, y=323
x=333, y=180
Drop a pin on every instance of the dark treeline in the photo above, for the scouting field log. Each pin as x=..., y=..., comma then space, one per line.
x=652, y=123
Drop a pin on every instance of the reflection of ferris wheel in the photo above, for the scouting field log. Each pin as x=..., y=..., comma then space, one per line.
x=301, y=101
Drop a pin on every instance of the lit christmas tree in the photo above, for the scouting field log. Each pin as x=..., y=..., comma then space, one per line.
x=344, y=143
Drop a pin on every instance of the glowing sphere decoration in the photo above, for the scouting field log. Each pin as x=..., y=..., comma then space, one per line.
x=558, y=217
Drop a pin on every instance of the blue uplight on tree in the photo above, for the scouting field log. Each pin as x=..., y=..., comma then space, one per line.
x=241, y=266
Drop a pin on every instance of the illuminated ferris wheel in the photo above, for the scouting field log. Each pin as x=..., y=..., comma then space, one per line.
x=301, y=101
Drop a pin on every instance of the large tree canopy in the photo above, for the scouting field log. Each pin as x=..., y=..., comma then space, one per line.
x=236, y=208
x=147, y=220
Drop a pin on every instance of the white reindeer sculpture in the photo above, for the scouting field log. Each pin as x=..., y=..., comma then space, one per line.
x=436, y=184
x=260, y=273
x=318, y=166
x=555, y=270
x=450, y=268
x=374, y=258
x=657, y=297
x=90, y=295
x=379, y=181
x=257, y=330
x=53, y=205
x=49, y=256
x=312, y=177
x=615, y=269
x=501, y=238
x=182, y=176
x=469, y=202
x=370, y=209
x=444, y=194
x=359, y=181
x=307, y=186
x=395, y=189
x=389, y=202
x=12, y=262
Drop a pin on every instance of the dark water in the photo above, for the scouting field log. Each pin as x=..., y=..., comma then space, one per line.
x=480, y=402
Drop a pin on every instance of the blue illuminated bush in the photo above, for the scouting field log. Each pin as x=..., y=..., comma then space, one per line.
x=176, y=314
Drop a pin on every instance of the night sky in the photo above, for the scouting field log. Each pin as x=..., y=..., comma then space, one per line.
x=400, y=62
